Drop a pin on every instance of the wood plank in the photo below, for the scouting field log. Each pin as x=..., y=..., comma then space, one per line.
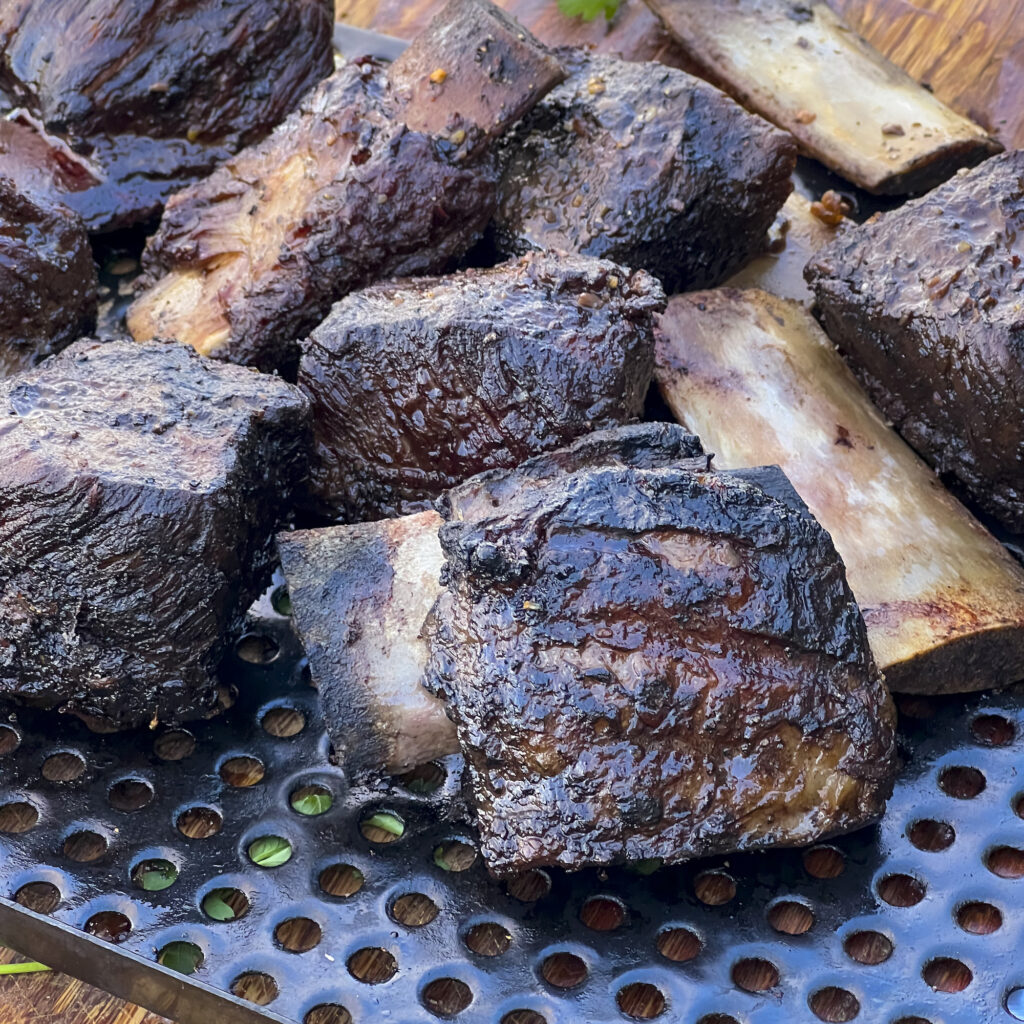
x=970, y=52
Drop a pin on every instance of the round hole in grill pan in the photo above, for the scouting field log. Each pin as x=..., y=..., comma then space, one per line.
x=1013, y=1003
x=257, y=648
x=154, y=874
x=640, y=1000
x=530, y=886
x=283, y=722
x=868, y=947
x=755, y=974
x=834, y=1004
x=225, y=903
x=930, y=835
x=790, y=917
x=9, y=740
x=993, y=730
x=455, y=855
x=901, y=890
x=1005, y=861
x=41, y=897
x=298, y=934
x=64, y=766
x=962, y=782
x=424, y=778
x=255, y=987
x=18, y=816
x=824, y=862
x=85, y=846
x=488, y=938
x=372, y=965
x=382, y=827
x=979, y=918
x=717, y=1018
x=946, y=974
x=242, y=771
x=311, y=800
x=328, y=1013
x=109, y=925
x=564, y=970
x=414, y=909
x=183, y=957
x=525, y=1017
x=679, y=944
x=199, y=822
x=715, y=888
x=175, y=745
x=446, y=997
x=603, y=913
x=129, y=795
x=341, y=880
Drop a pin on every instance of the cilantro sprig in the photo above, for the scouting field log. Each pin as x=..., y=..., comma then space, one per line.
x=588, y=10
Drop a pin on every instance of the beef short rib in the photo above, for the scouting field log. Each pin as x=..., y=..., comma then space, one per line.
x=47, y=278
x=927, y=304
x=156, y=93
x=418, y=384
x=645, y=165
x=649, y=659
x=345, y=192
x=140, y=491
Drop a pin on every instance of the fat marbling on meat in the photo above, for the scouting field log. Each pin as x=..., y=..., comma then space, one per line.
x=646, y=165
x=418, y=384
x=140, y=490
x=927, y=304
x=47, y=278
x=646, y=658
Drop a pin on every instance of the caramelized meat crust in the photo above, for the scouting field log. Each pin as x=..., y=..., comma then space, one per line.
x=156, y=93
x=927, y=305
x=47, y=278
x=141, y=488
x=418, y=384
x=359, y=184
x=645, y=165
x=649, y=659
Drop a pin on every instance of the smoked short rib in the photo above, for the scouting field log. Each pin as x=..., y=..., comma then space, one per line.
x=47, y=278
x=380, y=173
x=927, y=305
x=649, y=659
x=418, y=384
x=645, y=165
x=141, y=488
x=154, y=94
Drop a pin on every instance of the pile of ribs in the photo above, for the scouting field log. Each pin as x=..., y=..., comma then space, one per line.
x=414, y=331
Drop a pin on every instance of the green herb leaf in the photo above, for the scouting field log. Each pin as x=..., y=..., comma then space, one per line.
x=183, y=957
x=386, y=823
x=29, y=968
x=215, y=906
x=156, y=875
x=645, y=867
x=311, y=801
x=588, y=10
x=440, y=860
x=270, y=851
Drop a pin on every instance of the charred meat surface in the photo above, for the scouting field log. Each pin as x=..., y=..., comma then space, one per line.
x=803, y=68
x=646, y=165
x=649, y=659
x=47, y=278
x=141, y=488
x=760, y=382
x=418, y=384
x=927, y=304
x=359, y=596
x=344, y=193
x=156, y=93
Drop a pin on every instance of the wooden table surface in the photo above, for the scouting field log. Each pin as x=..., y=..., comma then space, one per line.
x=971, y=52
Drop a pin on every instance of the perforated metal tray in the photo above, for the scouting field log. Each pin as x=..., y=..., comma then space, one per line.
x=876, y=927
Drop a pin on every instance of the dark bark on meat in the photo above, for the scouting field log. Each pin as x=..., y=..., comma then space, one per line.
x=646, y=165
x=359, y=597
x=47, y=278
x=417, y=385
x=927, y=304
x=649, y=659
x=344, y=193
x=140, y=491
x=156, y=93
